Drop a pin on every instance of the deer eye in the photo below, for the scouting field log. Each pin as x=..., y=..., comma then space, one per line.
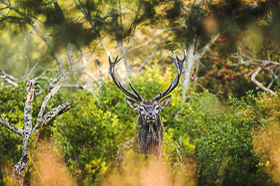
x=157, y=108
x=141, y=109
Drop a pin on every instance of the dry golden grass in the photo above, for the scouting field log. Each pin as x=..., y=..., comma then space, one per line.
x=267, y=147
x=139, y=172
x=49, y=168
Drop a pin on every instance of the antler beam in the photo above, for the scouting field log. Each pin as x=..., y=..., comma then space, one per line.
x=111, y=71
x=180, y=67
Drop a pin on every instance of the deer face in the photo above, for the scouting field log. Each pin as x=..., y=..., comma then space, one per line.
x=149, y=109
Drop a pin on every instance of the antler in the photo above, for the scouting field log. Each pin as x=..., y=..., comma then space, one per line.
x=180, y=67
x=119, y=85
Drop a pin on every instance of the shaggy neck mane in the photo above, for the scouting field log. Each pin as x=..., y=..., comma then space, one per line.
x=149, y=135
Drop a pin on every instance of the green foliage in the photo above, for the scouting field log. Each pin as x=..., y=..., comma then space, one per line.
x=11, y=109
x=217, y=137
x=200, y=127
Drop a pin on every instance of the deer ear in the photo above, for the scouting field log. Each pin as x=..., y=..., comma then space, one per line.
x=164, y=102
x=132, y=104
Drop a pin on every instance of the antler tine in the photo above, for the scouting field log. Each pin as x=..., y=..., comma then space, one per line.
x=180, y=69
x=134, y=90
x=119, y=85
x=112, y=64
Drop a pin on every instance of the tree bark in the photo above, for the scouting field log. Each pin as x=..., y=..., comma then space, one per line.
x=72, y=63
x=29, y=133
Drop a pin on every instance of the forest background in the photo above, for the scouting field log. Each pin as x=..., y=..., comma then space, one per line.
x=221, y=127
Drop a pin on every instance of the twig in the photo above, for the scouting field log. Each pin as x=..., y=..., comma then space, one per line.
x=8, y=78
x=43, y=106
x=88, y=18
x=147, y=42
x=253, y=78
x=149, y=56
x=202, y=52
x=11, y=127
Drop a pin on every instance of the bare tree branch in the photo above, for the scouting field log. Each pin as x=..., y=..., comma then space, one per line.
x=72, y=63
x=193, y=58
x=48, y=117
x=253, y=78
x=84, y=61
x=21, y=167
x=9, y=82
x=203, y=51
x=189, y=65
x=94, y=28
x=3, y=74
x=11, y=127
x=43, y=106
x=147, y=42
x=261, y=64
x=30, y=135
x=149, y=56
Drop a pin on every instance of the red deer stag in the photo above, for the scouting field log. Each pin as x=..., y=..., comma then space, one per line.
x=149, y=128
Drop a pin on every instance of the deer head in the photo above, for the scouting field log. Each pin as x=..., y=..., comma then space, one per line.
x=149, y=110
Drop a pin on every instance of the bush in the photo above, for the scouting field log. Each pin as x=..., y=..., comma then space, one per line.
x=199, y=131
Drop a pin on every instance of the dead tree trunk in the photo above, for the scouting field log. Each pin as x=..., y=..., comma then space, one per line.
x=30, y=133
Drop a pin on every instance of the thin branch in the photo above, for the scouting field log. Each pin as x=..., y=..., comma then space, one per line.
x=69, y=86
x=182, y=6
x=253, y=78
x=202, y=52
x=43, y=106
x=5, y=75
x=88, y=18
x=73, y=67
x=9, y=82
x=266, y=63
x=147, y=42
x=134, y=25
x=8, y=78
x=11, y=127
x=48, y=117
x=34, y=67
x=254, y=61
x=149, y=56
x=56, y=111
x=3, y=8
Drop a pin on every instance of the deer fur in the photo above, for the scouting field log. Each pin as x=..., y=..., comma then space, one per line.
x=148, y=133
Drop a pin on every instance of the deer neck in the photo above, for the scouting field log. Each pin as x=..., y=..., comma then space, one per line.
x=149, y=135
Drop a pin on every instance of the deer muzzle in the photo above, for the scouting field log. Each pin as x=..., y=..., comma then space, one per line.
x=150, y=117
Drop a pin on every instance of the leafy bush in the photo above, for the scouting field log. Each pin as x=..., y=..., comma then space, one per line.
x=201, y=132
x=264, y=115
x=200, y=128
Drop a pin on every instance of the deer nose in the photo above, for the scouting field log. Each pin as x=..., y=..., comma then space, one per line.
x=150, y=116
